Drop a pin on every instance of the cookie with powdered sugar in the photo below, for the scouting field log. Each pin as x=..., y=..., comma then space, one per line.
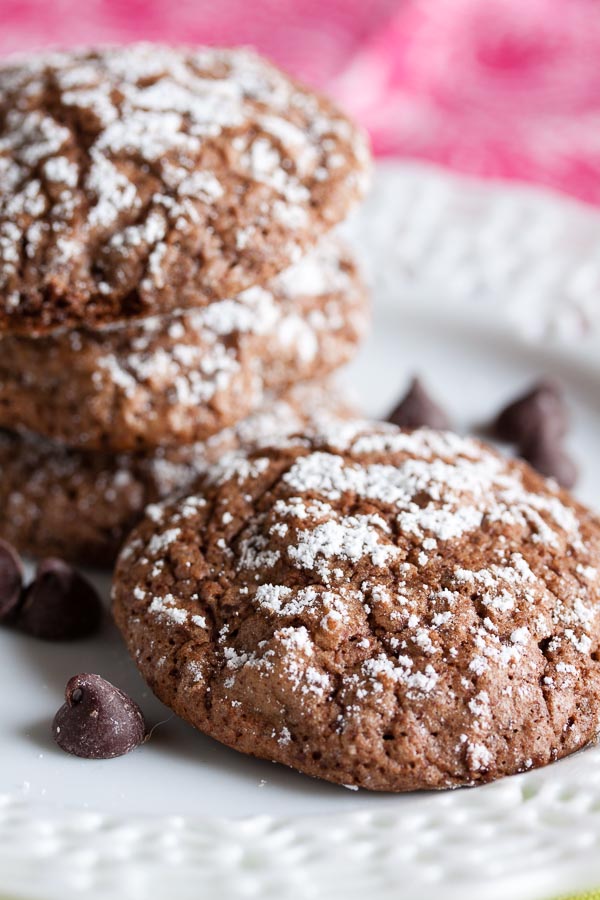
x=80, y=505
x=177, y=380
x=141, y=179
x=378, y=608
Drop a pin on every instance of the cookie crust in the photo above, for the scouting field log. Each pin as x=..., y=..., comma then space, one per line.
x=389, y=610
x=142, y=179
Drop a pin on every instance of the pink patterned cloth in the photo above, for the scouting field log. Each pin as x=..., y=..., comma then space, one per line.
x=506, y=88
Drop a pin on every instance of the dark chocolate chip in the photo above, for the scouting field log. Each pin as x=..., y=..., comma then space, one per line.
x=547, y=455
x=98, y=721
x=418, y=410
x=541, y=410
x=60, y=604
x=11, y=581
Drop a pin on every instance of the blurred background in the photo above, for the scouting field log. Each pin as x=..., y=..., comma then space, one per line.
x=501, y=88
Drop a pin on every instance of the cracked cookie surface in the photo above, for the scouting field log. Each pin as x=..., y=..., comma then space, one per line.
x=142, y=179
x=378, y=608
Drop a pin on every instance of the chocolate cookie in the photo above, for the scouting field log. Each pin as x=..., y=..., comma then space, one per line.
x=78, y=505
x=378, y=608
x=178, y=380
x=138, y=180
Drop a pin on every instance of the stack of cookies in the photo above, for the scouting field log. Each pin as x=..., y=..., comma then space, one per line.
x=169, y=286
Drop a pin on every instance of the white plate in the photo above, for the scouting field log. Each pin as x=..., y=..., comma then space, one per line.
x=480, y=288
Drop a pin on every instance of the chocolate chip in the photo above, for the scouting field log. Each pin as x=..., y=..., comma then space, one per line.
x=60, y=604
x=98, y=721
x=11, y=581
x=541, y=409
x=418, y=410
x=547, y=455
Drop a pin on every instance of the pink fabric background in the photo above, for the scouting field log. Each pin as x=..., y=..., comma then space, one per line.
x=492, y=87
